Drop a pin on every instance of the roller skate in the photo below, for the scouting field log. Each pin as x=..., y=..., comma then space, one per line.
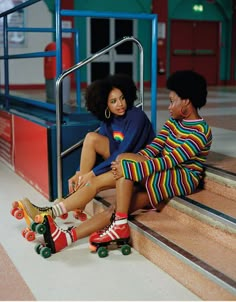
x=99, y=232
x=55, y=238
x=27, y=210
x=117, y=235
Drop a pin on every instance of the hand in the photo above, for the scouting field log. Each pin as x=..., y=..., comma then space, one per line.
x=73, y=181
x=84, y=180
x=116, y=170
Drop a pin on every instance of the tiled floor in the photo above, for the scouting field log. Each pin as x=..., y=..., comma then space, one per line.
x=75, y=273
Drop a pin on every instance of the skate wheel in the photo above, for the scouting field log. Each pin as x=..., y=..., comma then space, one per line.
x=64, y=216
x=82, y=216
x=15, y=204
x=19, y=214
x=33, y=226
x=92, y=248
x=30, y=236
x=45, y=252
x=38, y=248
x=40, y=228
x=24, y=232
x=76, y=214
x=126, y=249
x=13, y=210
x=38, y=218
x=102, y=252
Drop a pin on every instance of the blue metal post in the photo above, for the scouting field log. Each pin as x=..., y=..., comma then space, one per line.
x=154, y=74
x=58, y=38
x=6, y=61
x=77, y=73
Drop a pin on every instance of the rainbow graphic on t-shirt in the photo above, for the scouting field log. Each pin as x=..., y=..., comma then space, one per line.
x=118, y=136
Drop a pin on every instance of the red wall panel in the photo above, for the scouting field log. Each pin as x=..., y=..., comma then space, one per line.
x=6, y=150
x=31, y=153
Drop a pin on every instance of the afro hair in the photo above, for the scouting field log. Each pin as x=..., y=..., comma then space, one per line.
x=188, y=84
x=96, y=95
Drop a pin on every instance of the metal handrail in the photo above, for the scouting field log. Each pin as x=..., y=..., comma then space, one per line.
x=59, y=100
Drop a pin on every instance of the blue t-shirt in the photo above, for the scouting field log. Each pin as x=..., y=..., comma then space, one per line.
x=128, y=133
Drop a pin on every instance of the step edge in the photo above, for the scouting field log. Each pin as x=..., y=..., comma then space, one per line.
x=204, y=213
x=221, y=177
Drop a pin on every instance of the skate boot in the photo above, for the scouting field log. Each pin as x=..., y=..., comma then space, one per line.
x=26, y=209
x=99, y=232
x=55, y=238
x=117, y=235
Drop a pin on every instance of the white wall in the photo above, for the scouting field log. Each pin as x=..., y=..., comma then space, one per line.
x=30, y=71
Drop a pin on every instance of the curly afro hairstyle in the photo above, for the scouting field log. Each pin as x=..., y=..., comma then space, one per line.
x=188, y=84
x=96, y=95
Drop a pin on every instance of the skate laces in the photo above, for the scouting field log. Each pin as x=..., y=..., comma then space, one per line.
x=69, y=229
x=106, y=228
x=44, y=209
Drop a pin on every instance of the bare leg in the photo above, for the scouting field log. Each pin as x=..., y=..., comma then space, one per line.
x=129, y=200
x=140, y=200
x=81, y=197
x=94, y=144
x=124, y=191
x=97, y=222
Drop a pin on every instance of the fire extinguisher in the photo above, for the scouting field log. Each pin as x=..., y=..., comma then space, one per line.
x=161, y=67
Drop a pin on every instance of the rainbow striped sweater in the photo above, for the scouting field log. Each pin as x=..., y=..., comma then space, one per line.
x=174, y=159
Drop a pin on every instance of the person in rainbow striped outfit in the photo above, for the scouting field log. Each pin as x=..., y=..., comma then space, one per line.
x=171, y=165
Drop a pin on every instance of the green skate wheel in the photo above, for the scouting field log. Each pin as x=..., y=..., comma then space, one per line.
x=45, y=252
x=33, y=226
x=40, y=228
x=102, y=252
x=38, y=248
x=126, y=249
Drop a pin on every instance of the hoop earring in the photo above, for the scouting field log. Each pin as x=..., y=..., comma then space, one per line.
x=184, y=112
x=107, y=113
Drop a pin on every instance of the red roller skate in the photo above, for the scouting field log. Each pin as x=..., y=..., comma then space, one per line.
x=99, y=232
x=117, y=235
x=55, y=238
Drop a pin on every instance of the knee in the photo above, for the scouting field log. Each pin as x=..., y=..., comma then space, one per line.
x=90, y=138
x=122, y=156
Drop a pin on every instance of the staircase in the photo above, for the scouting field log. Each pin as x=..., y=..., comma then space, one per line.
x=192, y=238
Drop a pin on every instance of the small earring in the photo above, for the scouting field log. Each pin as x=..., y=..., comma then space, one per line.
x=107, y=113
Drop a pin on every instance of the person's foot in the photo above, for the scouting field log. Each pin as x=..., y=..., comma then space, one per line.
x=118, y=231
x=31, y=209
x=55, y=237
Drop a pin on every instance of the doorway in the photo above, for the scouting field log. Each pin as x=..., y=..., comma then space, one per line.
x=195, y=45
x=102, y=32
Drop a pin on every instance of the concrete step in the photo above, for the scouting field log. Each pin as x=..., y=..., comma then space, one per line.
x=220, y=182
x=193, y=238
